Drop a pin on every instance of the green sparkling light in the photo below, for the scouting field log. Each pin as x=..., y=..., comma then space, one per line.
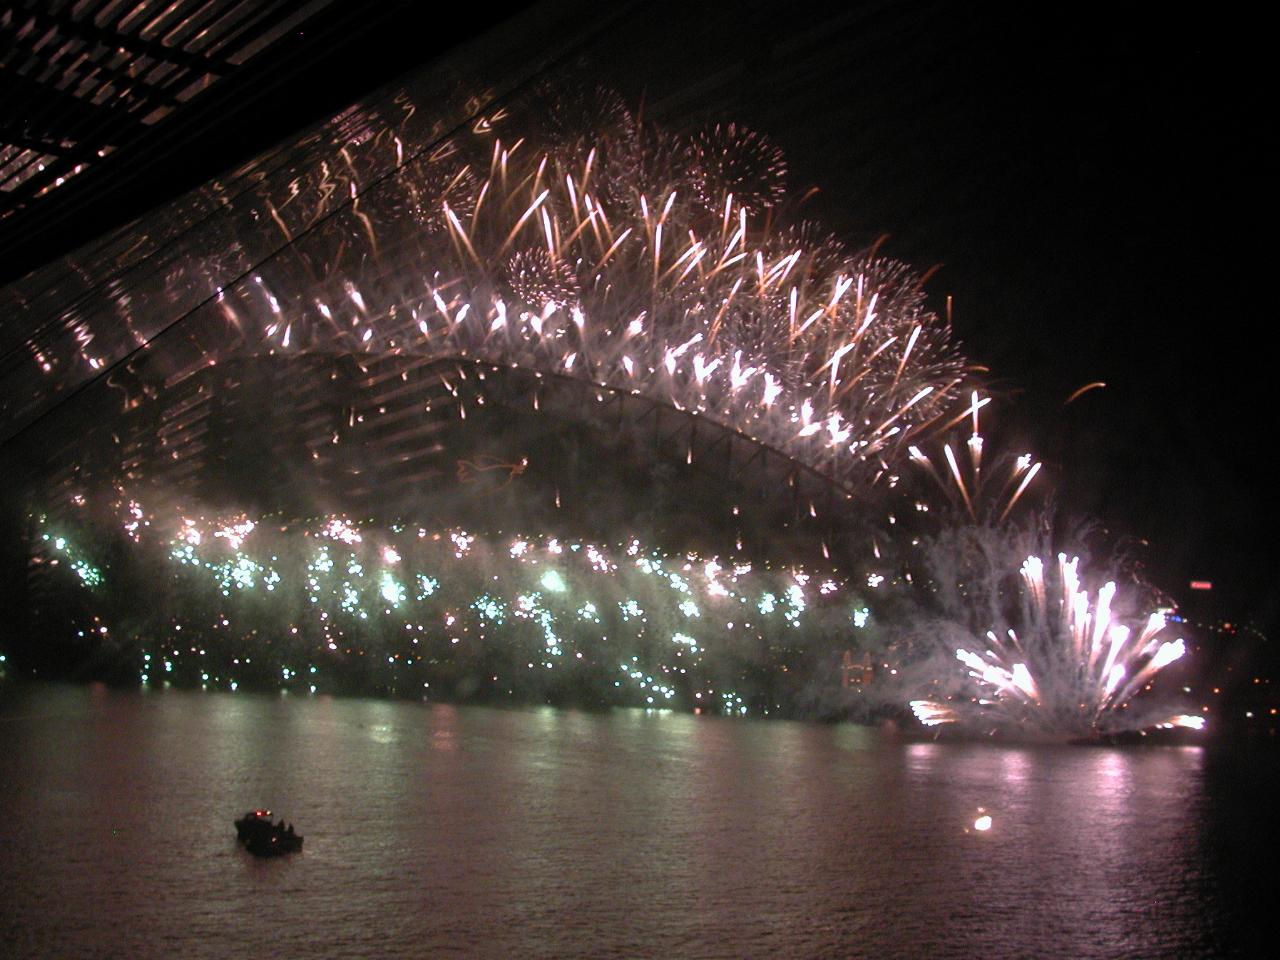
x=391, y=590
x=490, y=609
x=642, y=608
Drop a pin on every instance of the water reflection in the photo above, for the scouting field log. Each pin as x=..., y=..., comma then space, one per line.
x=550, y=833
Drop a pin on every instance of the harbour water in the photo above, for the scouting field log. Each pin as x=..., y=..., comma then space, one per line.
x=434, y=831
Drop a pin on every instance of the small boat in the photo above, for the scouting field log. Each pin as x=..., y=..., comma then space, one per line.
x=262, y=838
x=251, y=823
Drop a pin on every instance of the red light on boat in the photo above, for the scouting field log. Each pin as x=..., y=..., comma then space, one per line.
x=1201, y=585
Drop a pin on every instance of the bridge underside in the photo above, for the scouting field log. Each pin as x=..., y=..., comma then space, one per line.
x=442, y=443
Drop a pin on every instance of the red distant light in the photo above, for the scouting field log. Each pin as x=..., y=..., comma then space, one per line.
x=1201, y=585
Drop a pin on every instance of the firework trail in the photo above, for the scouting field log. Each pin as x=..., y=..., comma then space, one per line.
x=976, y=490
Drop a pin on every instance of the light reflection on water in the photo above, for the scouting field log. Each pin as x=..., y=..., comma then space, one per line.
x=543, y=832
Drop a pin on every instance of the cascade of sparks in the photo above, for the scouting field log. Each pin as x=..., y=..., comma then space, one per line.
x=604, y=250
x=307, y=603
x=1073, y=668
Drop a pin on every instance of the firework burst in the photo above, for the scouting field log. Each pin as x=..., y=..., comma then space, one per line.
x=1054, y=658
x=665, y=266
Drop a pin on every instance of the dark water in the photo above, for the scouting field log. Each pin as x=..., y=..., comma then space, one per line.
x=438, y=831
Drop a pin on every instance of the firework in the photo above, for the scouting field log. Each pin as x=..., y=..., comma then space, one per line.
x=974, y=490
x=588, y=246
x=605, y=250
x=1056, y=658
